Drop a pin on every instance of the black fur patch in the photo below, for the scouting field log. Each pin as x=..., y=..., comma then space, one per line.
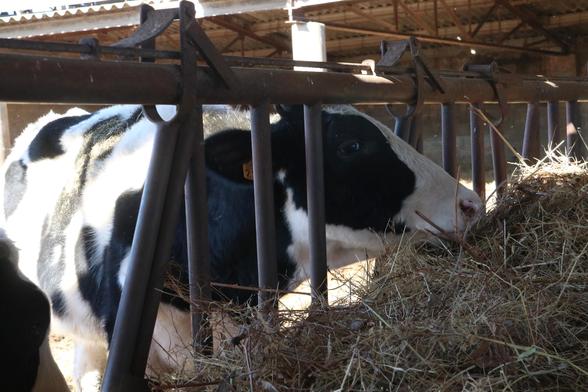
x=47, y=142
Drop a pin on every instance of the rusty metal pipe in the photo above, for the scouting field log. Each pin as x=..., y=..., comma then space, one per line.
x=574, y=129
x=554, y=134
x=315, y=195
x=263, y=187
x=477, y=147
x=449, y=139
x=531, y=142
x=197, y=236
x=44, y=79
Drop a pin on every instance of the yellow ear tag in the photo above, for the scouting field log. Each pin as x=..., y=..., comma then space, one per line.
x=248, y=171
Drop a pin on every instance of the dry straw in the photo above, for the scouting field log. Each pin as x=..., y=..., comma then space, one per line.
x=504, y=310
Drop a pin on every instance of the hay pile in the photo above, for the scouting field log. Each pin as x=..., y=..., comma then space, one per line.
x=505, y=310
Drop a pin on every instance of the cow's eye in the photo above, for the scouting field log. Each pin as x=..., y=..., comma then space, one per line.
x=349, y=148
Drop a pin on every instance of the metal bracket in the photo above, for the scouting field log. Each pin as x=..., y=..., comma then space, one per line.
x=497, y=80
x=197, y=37
x=391, y=53
x=156, y=22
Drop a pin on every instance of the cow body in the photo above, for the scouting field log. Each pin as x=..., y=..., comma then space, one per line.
x=76, y=180
x=27, y=363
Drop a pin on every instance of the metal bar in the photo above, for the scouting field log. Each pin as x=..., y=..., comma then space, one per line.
x=263, y=186
x=315, y=195
x=436, y=40
x=477, y=147
x=415, y=136
x=41, y=79
x=574, y=130
x=554, y=134
x=531, y=142
x=154, y=235
x=141, y=256
x=64, y=47
x=449, y=139
x=498, y=159
x=189, y=115
x=402, y=128
x=197, y=237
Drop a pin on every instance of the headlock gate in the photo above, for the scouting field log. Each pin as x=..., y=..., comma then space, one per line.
x=127, y=73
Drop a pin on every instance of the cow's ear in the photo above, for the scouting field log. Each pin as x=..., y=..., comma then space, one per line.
x=293, y=114
x=228, y=154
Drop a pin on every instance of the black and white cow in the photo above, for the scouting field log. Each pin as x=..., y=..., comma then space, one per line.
x=73, y=185
x=26, y=363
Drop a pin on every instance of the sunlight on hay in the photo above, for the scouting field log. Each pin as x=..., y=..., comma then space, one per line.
x=504, y=309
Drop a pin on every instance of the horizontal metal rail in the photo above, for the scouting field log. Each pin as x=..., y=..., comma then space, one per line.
x=66, y=80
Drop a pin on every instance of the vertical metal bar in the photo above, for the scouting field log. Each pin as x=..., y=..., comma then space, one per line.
x=171, y=213
x=498, y=159
x=402, y=128
x=415, y=136
x=554, y=134
x=449, y=139
x=154, y=232
x=315, y=195
x=263, y=185
x=189, y=116
x=477, y=147
x=123, y=342
x=197, y=238
x=573, y=130
x=531, y=143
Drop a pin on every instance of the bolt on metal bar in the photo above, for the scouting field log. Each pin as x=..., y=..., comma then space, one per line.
x=498, y=159
x=531, y=142
x=477, y=148
x=449, y=138
x=574, y=130
x=197, y=237
x=315, y=196
x=141, y=257
x=554, y=134
x=263, y=187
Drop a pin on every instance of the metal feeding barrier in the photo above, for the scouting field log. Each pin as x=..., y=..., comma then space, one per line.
x=127, y=73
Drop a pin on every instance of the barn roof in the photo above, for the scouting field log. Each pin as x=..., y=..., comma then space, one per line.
x=354, y=28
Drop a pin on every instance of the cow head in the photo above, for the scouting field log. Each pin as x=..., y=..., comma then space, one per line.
x=377, y=187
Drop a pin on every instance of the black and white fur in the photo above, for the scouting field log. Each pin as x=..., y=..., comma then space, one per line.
x=73, y=185
x=27, y=363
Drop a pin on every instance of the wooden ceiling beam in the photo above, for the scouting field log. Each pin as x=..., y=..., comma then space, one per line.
x=455, y=19
x=484, y=19
x=227, y=23
x=417, y=18
x=358, y=11
x=533, y=21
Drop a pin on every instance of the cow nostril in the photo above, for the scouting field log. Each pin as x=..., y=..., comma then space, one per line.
x=469, y=208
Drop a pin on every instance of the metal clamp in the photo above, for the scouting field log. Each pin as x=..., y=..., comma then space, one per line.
x=391, y=53
x=492, y=73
